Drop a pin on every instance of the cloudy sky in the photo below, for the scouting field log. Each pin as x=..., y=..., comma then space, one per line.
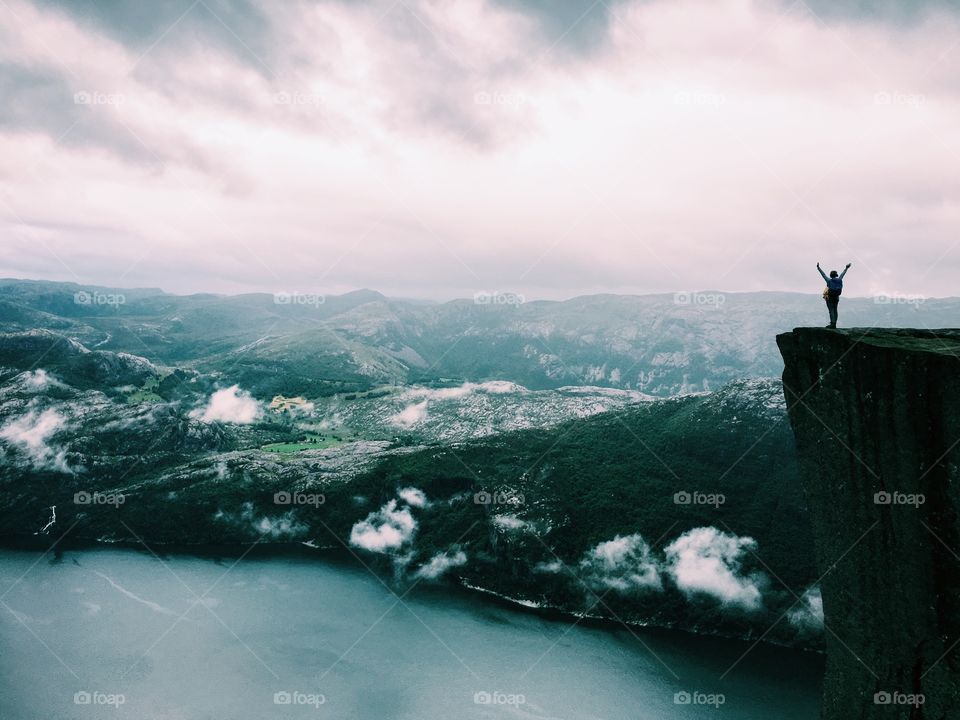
x=439, y=148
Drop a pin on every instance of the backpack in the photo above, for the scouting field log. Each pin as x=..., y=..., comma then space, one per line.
x=833, y=290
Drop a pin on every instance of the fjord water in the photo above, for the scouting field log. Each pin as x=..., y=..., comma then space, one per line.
x=334, y=641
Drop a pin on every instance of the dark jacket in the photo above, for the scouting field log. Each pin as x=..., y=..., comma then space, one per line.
x=834, y=284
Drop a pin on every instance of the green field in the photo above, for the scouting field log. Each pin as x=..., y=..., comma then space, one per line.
x=147, y=393
x=310, y=441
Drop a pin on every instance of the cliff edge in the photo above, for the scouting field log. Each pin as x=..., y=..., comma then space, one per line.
x=876, y=416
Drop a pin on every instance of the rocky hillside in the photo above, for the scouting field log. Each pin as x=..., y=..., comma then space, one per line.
x=876, y=415
x=680, y=512
x=461, y=412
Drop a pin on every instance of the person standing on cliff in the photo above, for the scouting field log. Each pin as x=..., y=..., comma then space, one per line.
x=832, y=292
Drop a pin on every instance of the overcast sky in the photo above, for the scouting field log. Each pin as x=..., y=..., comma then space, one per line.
x=440, y=148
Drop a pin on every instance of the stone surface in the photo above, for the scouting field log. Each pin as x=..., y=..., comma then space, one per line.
x=876, y=416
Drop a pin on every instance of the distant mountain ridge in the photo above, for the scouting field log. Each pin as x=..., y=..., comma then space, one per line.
x=302, y=344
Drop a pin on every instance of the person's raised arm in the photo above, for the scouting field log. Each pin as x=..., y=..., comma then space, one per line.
x=844, y=270
x=822, y=273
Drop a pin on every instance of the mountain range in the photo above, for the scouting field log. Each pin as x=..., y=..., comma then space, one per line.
x=624, y=457
x=303, y=344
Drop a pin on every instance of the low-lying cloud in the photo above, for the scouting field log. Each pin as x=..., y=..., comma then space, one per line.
x=416, y=412
x=701, y=563
x=386, y=530
x=391, y=529
x=272, y=527
x=31, y=434
x=706, y=561
x=230, y=405
x=807, y=614
x=280, y=527
x=410, y=415
x=413, y=496
x=440, y=563
x=624, y=564
x=38, y=380
x=491, y=387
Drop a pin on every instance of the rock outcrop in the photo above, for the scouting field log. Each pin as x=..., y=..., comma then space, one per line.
x=876, y=416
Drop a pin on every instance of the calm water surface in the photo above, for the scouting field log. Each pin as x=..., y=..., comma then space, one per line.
x=120, y=634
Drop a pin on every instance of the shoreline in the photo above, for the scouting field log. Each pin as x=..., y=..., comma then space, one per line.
x=339, y=555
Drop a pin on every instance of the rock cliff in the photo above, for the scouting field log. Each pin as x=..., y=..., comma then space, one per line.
x=876, y=416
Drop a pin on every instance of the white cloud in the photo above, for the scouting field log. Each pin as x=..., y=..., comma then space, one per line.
x=624, y=564
x=440, y=563
x=449, y=393
x=417, y=412
x=501, y=387
x=231, y=405
x=413, y=496
x=39, y=379
x=491, y=387
x=31, y=433
x=277, y=527
x=410, y=415
x=707, y=561
x=281, y=527
x=384, y=530
x=553, y=567
x=808, y=613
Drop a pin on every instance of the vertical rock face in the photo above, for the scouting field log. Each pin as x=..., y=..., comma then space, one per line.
x=876, y=415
